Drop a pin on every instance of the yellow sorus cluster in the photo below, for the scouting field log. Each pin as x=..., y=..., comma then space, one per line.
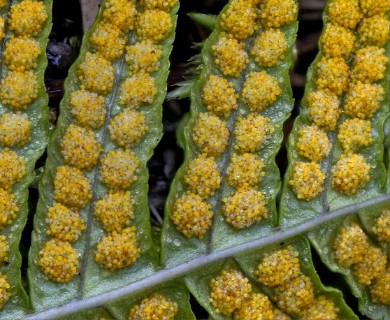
x=64, y=224
x=337, y=41
x=2, y=26
x=118, y=169
x=4, y=248
x=114, y=211
x=137, y=90
x=154, y=307
x=275, y=14
x=158, y=4
x=20, y=54
x=278, y=267
x=228, y=291
x=229, y=55
x=372, y=265
x=244, y=208
x=210, y=134
x=374, y=31
x=256, y=307
x=14, y=129
x=269, y=47
x=96, y=73
x=58, y=261
x=251, y=132
x=380, y=289
x=8, y=208
x=307, y=180
x=345, y=13
x=219, y=96
x=12, y=168
x=260, y=90
x=3, y=3
x=143, y=57
x=128, y=127
x=369, y=65
x=202, y=176
x=372, y=7
x=191, y=215
x=108, y=40
x=27, y=18
x=71, y=187
x=4, y=290
x=382, y=226
x=313, y=143
x=79, y=147
x=118, y=249
x=320, y=309
x=88, y=109
x=332, y=75
x=153, y=25
x=363, y=100
x=323, y=108
x=239, y=19
x=279, y=315
x=120, y=13
x=354, y=134
x=350, y=173
x=18, y=89
x=244, y=170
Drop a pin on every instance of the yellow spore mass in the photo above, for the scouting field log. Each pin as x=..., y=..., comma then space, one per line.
x=120, y=13
x=296, y=295
x=96, y=73
x=2, y=25
x=202, y=176
x=374, y=31
x=21, y=54
x=5, y=293
x=128, y=127
x=239, y=19
x=269, y=47
x=307, y=180
x=118, y=169
x=354, y=134
x=229, y=55
x=79, y=147
x=154, y=307
x=3, y=3
x=279, y=315
x=369, y=65
x=63, y=223
x=244, y=208
x=137, y=90
x=323, y=108
x=210, y=134
x=158, y=4
x=108, y=40
x=256, y=307
x=88, y=109
x=260, y=90
x=27, y=18
x=371, y=7
x=71, y=187
x=143, y=57
x=228, y=291
x=278, y=267
x=219, y=96
x=153, y=25
x=8, y=208
x=191, y=215
x=363, y=100
x=18, y=89
x=350, y=173
x=382, y=226
x=332, y=75
x=345, y=13
x=115, y=211
x=251, y=132
x=244, y=170
x=118, y=249
x=14, y=129
x=12, y=168
x=380, y=289
x=337, y=41
x=372, y=265
x=58, y=261
x=275, y=14
x=321, y=308
x=312, y=143
x=4, y=249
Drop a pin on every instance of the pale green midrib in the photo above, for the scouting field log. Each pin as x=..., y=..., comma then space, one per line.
x=202, y=262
